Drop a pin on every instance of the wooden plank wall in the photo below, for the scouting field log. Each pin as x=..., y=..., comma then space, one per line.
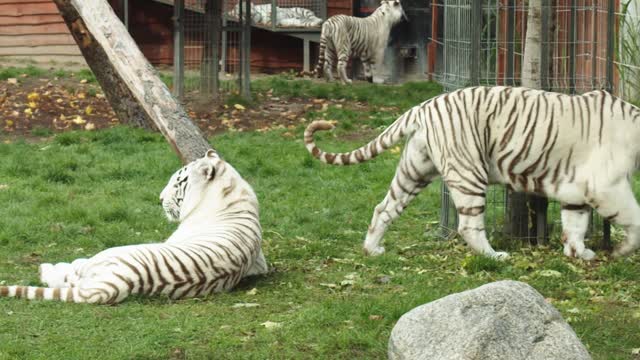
x=35, y=30
x=335, y=7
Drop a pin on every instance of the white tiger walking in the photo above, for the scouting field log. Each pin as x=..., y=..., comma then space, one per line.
x=217, y=243
x=345, y=36
x=580, y=150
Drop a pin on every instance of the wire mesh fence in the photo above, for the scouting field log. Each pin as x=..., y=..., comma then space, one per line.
x=210, y=52
x=282, y=15
x=585, y=45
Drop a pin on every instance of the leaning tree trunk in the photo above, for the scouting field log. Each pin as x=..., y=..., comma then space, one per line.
x=130, y=83
x=520, y=216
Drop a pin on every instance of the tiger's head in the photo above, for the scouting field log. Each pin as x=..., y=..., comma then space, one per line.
x=393, y=10
x=186, y=186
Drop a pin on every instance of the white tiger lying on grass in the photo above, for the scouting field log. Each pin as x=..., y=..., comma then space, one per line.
x=580, y=150
x=366, y=38
x=217, y=243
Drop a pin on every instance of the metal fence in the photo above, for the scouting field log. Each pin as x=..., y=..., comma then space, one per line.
x=586, y=44
x=282, y=15
x=211, y=52
x=213, y=40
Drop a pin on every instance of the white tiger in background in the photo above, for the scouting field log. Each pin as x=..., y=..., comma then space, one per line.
x=217, y=243
x=580, y=150
x=343, y=37
x=285, y=16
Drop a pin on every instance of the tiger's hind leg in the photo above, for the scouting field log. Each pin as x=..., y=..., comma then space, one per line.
x=343, y=58
x=60, y=275
x=368, y=74
x=415, y=171
x=618, y=204
x=328, y=65
x=470, y=200
x=259, y=266
x=575, y=220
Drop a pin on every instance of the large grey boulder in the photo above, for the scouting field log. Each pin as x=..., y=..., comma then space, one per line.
x=502, y=320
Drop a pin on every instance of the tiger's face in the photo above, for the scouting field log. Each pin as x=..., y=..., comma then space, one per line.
x=394, y=10
x=184, y=190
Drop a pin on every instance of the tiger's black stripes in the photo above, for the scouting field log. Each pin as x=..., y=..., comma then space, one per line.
x=577, y=149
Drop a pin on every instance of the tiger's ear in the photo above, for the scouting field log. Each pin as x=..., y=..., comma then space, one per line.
x=207, y=170
x=210, y=153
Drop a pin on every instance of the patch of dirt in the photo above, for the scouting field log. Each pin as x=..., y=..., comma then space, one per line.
x=32, y=107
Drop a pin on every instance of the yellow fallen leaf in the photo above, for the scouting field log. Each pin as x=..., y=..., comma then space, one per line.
x=81, y=95
x=239, y=107
x=89, y=126
x=8, y=122
x=83, y=81
x=33, y=104
x=59, y=101
x=88, y=110
x=28, y=111
x=252, y=292
x=79, y=120
x=12, y=81
x=395, y=150
x=34, y=96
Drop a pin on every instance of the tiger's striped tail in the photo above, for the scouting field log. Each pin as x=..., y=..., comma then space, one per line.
x=389, y=137
x=40, y=293
x=318, y=71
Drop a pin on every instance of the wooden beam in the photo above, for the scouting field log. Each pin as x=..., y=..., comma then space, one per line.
x=130, y=83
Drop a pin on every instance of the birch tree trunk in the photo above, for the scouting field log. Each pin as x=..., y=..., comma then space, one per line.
x=129, y=82
x=520, y=217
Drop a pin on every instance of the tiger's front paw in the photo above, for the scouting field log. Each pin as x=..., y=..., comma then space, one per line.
x=374, y=251
x=588, y=255
x=501, y=255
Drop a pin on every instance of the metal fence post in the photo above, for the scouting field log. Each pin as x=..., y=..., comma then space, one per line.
x=178, y=49
x=572, y=46
x=209, y=82
x=511, y=29
x=544, y=46
x=274, y=14
x=611, y=19
x=246, y=53
x=476, y=37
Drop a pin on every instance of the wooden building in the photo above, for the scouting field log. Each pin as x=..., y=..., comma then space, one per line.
x=34, y=29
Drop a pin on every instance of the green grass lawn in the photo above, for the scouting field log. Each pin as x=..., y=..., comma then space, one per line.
x=80, y=193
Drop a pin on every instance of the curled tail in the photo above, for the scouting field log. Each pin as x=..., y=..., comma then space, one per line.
x=389, y=137
x=41, y=293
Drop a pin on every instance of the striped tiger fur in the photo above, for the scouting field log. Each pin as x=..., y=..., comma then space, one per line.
x=345, y=36
x=217, y=243
x=285, y=16
x=580, y=150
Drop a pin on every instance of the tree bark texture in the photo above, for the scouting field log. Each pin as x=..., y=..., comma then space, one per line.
x=129, y=82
